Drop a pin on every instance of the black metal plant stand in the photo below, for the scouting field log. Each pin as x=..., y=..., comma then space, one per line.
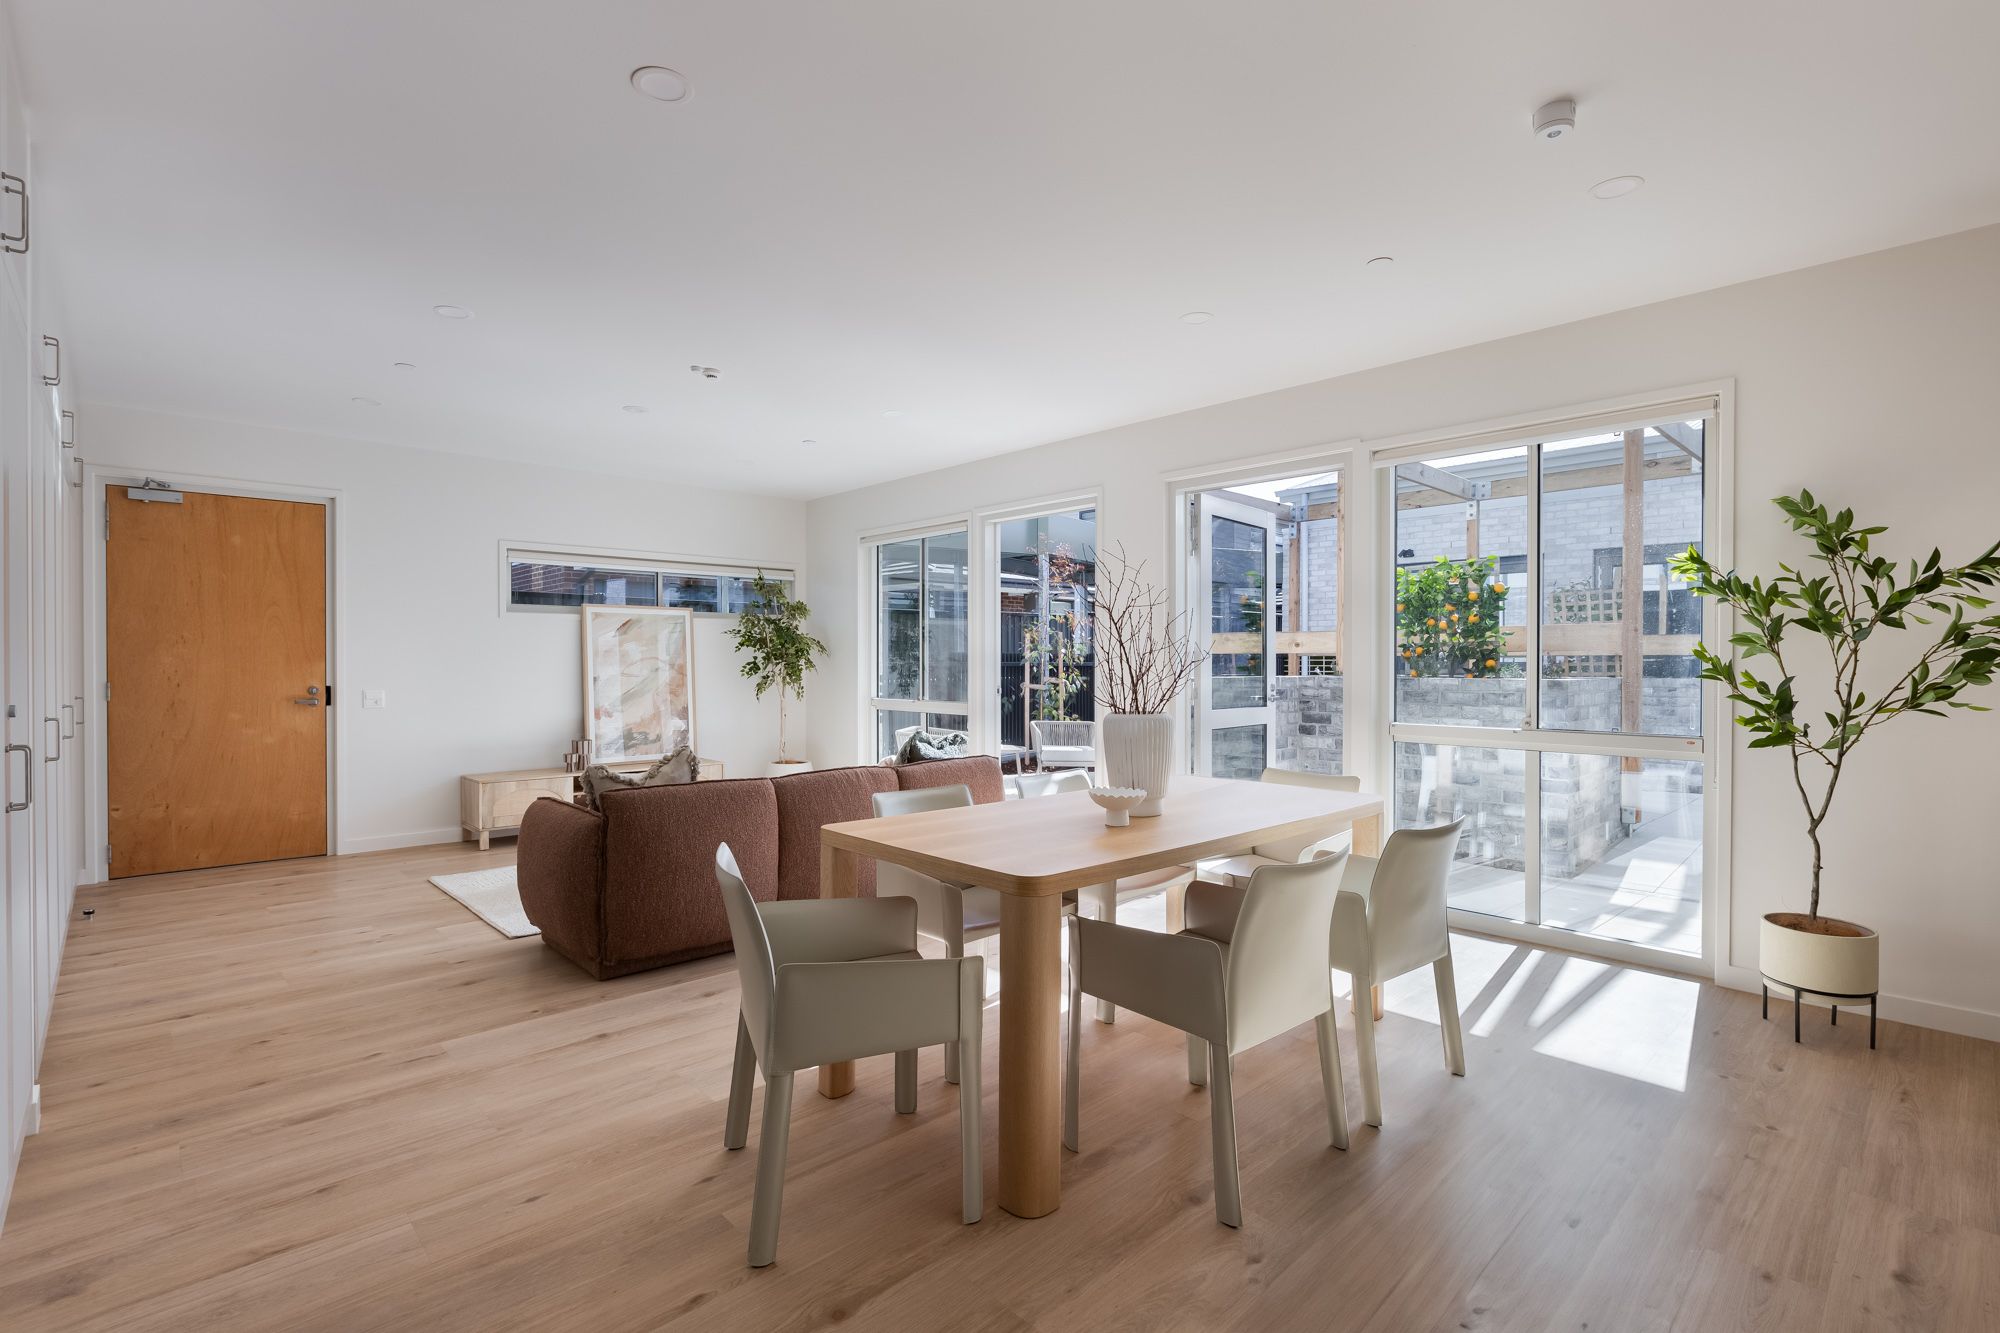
x=1798, y=1005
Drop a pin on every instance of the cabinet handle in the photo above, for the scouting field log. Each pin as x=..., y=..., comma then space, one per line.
x=9, y=242
x=56, y=753
x=79, y=712
x=71, y=733
x=27, y=778
x=53, y=380
x=68, y=429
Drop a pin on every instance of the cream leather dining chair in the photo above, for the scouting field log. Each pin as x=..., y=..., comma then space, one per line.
x=838, y=979
x=1391, y=919
x=1289, y=851
x=1228, y=994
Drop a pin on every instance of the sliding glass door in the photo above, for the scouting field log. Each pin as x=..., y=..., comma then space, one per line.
x=1544, y=683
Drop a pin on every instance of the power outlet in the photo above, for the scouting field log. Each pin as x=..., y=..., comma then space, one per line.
x=374, y=698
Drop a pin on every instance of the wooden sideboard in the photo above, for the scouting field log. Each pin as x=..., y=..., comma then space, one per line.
x=490, y=803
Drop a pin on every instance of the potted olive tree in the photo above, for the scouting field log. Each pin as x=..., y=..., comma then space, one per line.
x=1145, y=658
x=777, y=653
x=1842, y=600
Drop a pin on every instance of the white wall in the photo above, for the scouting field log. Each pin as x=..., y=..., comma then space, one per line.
x=1872, y=381
x=471, y=687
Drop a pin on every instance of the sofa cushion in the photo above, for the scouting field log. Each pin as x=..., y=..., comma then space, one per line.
x=680, y=766
x=808, y=800
x=660, y=894
x=981, y=772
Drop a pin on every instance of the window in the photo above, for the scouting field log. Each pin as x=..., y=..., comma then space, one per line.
x=1044, y=603
x=1264, y=573
x=554, y=580
x=921, y=588
x=1545, y=688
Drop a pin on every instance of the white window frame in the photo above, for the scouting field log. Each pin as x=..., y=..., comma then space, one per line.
x=1715, y=404
x=604, y=557
x=871, y=602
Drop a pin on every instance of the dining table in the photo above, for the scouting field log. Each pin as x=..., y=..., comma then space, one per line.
x=1033, y=852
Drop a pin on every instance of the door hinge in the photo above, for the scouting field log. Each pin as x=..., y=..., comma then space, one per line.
x=107, y=691
x=329, y=696
x=107, y=518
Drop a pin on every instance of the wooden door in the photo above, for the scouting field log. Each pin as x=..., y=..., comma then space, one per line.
x=215, y=641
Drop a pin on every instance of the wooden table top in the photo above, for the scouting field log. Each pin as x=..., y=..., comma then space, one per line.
x=1050, y=844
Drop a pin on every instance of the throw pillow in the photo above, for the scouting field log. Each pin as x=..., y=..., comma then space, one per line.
x=680, y=766
x=933, y=745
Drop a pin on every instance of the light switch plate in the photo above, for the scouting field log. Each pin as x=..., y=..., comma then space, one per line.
x=374, y=698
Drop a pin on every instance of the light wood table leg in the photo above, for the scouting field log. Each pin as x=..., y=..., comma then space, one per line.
x=1367, y=834
x=1030, y=1054
x=837, y=866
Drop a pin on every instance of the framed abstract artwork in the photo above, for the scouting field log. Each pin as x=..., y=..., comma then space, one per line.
x=638, y=681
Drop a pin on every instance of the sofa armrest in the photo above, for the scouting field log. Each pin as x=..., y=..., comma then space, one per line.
x=559, y=871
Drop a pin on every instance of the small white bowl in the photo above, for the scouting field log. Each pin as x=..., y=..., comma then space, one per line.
x=1117, y=803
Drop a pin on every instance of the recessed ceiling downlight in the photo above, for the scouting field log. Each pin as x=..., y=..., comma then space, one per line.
x=451, y=312
x=1380, y=262
x=359, y=401
x=634, y=409
x=660, y=83
x=1617, y=187
x=406, y=365
x=1196, y=317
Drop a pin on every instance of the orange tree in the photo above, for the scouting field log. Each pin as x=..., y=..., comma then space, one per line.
x=1448, y=617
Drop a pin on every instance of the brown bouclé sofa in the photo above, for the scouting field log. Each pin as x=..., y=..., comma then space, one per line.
x=633, y=887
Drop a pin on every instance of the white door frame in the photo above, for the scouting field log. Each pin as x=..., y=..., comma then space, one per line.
x=1203, y=508
x=96, y=763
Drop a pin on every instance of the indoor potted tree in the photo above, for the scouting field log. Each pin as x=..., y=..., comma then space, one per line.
x=1857, y=594
x=777, y=653
x=1145, y=658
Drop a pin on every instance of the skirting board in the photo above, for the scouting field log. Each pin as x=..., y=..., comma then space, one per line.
x=388, y=842
x=1900, y=1008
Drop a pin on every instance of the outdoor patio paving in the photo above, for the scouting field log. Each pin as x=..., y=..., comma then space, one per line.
x=1647, y=891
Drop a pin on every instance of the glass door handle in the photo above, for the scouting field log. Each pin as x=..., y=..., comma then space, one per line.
x=27, y=776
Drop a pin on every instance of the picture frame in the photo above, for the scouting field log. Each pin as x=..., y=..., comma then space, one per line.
x=638, y=681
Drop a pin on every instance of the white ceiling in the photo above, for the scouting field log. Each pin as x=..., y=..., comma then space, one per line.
x=987, y=216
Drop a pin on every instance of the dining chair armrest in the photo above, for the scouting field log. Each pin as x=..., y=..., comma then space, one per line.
x=1173, y=979
x=838, y=930
x=843, y=1011
x=1212, y=908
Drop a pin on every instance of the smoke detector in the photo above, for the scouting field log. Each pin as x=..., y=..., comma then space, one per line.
x=1555, y=120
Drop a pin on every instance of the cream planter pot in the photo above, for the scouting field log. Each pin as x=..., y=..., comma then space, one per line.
x=1139, y=752
x=784, y=767
x=1847, y=965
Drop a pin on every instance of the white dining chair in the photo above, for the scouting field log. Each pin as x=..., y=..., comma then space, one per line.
x=837, y=979
x=1288, y=851
x=1392, y=919
x=948, y=912
x=1230, y=992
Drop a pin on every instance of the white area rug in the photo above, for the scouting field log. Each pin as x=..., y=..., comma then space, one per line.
x=492, y=897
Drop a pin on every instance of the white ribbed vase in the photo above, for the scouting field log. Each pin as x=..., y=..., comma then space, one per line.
x=1139, y=752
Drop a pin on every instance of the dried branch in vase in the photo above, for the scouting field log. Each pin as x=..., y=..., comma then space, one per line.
x=1145, y=654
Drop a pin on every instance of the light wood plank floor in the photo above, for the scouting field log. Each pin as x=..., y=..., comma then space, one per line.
x=321, y=1095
